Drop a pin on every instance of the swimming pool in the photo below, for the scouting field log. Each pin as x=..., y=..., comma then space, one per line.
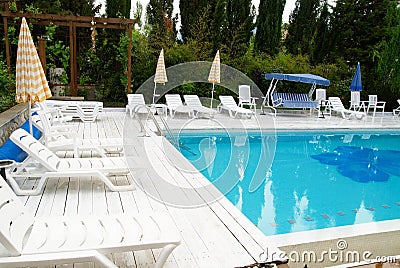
x=299, y=181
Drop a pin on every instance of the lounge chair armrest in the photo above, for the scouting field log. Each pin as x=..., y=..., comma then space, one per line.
x=72, y=135
x=64, y=128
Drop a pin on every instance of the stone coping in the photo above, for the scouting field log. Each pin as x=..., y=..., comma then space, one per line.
x=12, y=119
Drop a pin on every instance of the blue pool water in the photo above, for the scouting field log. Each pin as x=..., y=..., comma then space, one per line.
x=292, y=182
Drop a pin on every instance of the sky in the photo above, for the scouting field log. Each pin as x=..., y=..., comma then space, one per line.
x=290, y=4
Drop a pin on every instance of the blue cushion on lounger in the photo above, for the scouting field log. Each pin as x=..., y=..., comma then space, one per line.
x=11, y=151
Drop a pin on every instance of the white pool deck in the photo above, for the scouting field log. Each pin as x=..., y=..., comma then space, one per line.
x=214, y=234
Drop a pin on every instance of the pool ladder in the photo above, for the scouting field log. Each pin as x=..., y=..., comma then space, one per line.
x=160, y=132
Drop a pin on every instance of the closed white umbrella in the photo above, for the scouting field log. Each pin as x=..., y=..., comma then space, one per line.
x=161, y=74
x=215, y=74
x=31, y=83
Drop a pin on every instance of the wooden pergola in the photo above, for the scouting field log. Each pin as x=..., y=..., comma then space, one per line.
x=72, y=22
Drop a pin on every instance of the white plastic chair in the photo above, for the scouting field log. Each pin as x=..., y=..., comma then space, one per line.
x=355, y=101
x=374, y=104
x=229, y=104
x=46, y=241
x=51, y=166
x=320, y=97
x=245, y=97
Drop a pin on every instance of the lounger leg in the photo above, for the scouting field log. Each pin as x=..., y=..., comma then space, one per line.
x=117, y=188
x=166, y=251
x=17, y=189
x=104, y=261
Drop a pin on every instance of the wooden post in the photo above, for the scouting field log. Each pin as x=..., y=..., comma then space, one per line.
x=75, y=63
x=129, y=57
x=42, y=53
x=7, y=43
x=72, y=35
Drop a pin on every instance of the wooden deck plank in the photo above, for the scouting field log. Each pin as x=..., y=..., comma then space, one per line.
x=211, y=234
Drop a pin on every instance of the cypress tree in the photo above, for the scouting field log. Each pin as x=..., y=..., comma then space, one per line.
x=159, y=17
x=269, y=23
x=115, y=8
x=357, y=28
x=189, y=12
x=240, y=16
x=301, y=27
x=321, y=40
x=389, y=58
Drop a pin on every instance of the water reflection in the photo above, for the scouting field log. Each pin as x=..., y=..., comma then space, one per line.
x=297, y=192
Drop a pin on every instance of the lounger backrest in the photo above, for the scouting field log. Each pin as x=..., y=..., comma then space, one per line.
x=336, y=103
x=192, y=100
x=14, y=221
x=44, y=122
x=173, y=100
x=228, y=101
x=35, y=149
x=244, y=93
x=136, y=99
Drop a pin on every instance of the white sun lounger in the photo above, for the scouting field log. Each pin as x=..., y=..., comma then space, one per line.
x=48, y=165
x=396, y=112
x=194, y=102
x=31, y=241
x=229, y=104
x=175, y=104
x=60, y=138
x=336, y=105
x=87, y=111
x=135, y=104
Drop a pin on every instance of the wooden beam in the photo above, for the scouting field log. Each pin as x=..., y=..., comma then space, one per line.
x=80, y=24
x=55, y=18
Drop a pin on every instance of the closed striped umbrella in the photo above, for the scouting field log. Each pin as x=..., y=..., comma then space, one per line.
x=31, y=83
x=215, y=74
x=161, y=74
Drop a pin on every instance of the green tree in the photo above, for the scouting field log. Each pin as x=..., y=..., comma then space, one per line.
x=269, y=23
x=357, y=28
x=240, y=16
x=117, y=8
x=321, y=40
x=389, y=58
x=190, y=10
x=162, y=24
x=79, y=7
x=302, y=23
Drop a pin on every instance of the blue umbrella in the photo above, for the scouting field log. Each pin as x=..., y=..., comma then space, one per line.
x=356, y=84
